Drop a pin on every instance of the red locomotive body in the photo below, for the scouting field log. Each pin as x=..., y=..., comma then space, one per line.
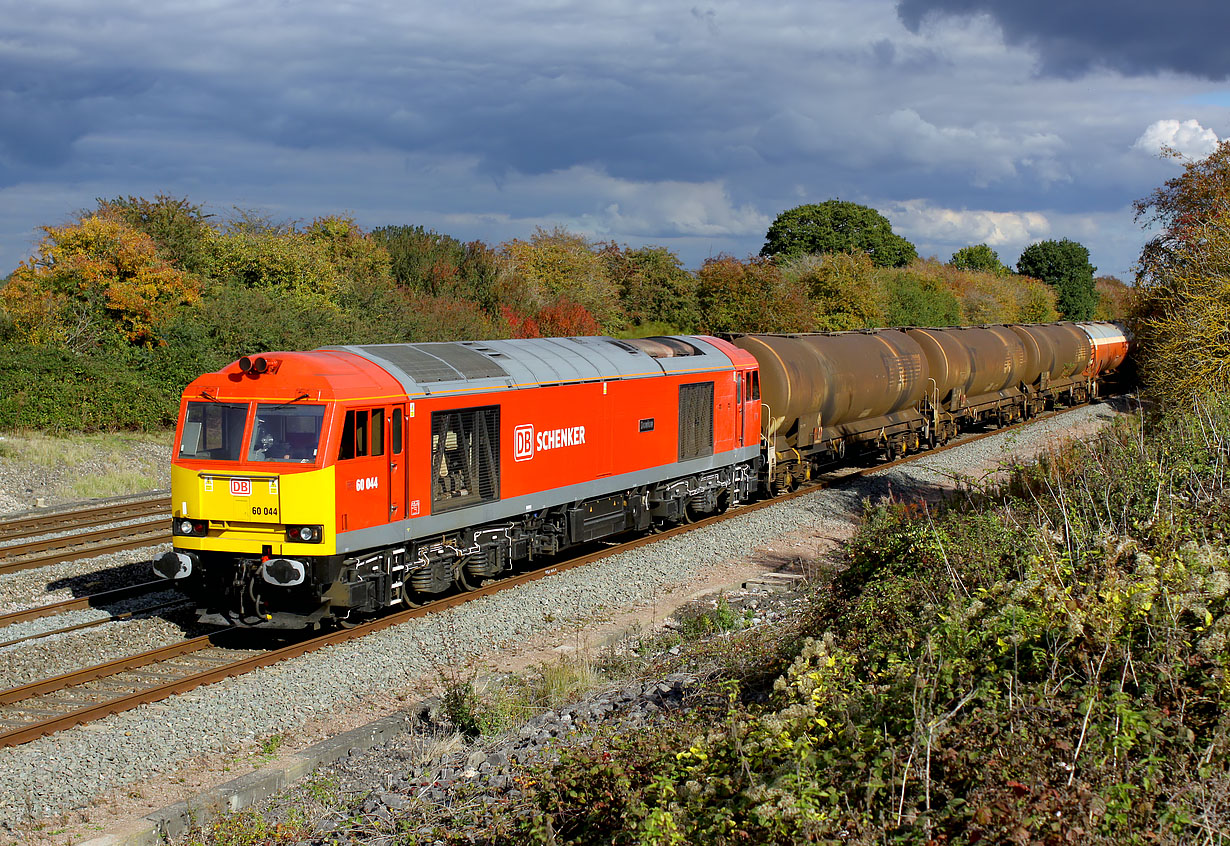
x=321, y=485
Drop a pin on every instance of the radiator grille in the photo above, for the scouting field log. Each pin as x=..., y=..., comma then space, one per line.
x=695, y=420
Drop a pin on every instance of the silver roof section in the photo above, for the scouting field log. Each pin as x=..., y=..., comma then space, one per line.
x=436, y=369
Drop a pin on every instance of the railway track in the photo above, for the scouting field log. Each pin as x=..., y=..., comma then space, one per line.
x=24, y=545
x=42, y=708
x=94, y=600
x=126, y=508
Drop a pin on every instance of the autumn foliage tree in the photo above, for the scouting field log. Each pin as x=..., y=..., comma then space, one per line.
x=841, y=287
x=657, y=293
x=1185, y=315
x=96, y=282
x=180, y=229
x=980, y=296
x=1182, y=303
x=1183, y=206
x=1114, y=298
x=750, y=296
x=558, y=267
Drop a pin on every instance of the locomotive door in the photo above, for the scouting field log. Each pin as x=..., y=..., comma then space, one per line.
x=363, y=470
x=749, y=421
x=739, y=415
x=397, y=463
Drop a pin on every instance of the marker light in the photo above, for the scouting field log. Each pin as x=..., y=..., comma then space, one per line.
x=304, y=534
x=190, y=528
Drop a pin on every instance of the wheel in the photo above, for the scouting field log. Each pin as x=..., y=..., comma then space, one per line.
x=467, y=582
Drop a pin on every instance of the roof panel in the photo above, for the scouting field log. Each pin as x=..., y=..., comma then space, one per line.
x=454, y=367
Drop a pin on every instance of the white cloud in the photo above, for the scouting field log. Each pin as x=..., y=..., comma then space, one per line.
x=624, y=208
x=922, y=222
x=1188, y=137
x=1112, y=236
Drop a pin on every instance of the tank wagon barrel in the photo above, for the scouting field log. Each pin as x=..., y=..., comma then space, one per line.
x=829, y=389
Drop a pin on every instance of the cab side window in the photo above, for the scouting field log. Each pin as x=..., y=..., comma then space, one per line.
x=397, y=423
x=363, y=434
x=346, y=449
x=377, y=431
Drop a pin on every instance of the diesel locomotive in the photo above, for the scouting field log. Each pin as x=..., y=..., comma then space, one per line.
x=321, y=487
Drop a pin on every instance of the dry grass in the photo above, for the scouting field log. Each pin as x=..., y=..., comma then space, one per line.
x=87, y=466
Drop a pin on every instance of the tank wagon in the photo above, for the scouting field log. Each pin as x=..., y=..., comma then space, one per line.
x=893, y=391
x=320, y=487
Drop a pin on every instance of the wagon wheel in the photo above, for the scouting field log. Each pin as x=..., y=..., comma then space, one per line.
x=723, y=502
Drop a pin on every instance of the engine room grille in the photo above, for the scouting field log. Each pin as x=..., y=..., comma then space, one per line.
x=695, y=420
x=465, y=457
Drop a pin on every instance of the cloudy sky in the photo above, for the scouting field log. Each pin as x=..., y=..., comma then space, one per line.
x=688, y=124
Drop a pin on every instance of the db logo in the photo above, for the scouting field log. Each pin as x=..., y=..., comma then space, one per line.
x=523, y=442
x=241, y=487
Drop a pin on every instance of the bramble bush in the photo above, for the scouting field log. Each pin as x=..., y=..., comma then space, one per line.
x=1044, y=661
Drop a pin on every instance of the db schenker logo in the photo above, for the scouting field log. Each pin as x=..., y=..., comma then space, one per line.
x=523, y=442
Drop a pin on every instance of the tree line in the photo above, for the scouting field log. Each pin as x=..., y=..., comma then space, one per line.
x=121, y=307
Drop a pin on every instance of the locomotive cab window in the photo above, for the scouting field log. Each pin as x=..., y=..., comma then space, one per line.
x=377, y=431
x=286, y=433
x=213, y=431
x=465, y=457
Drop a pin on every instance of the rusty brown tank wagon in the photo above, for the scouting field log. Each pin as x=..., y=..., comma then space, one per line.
x=892, y=391
x=823, y=393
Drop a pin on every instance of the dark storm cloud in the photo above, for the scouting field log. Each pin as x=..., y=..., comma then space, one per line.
x=1135, y=37
x=648, y=122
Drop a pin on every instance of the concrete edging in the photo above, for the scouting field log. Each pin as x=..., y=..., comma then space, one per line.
x=247, y=790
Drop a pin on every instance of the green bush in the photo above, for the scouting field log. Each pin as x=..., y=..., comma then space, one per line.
x=55, y=390
x=1046, y=660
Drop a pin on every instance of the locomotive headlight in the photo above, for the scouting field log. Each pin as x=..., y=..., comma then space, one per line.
x=190, y=528
x=304, y=534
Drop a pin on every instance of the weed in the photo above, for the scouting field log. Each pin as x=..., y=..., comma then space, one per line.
x=270, y=745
